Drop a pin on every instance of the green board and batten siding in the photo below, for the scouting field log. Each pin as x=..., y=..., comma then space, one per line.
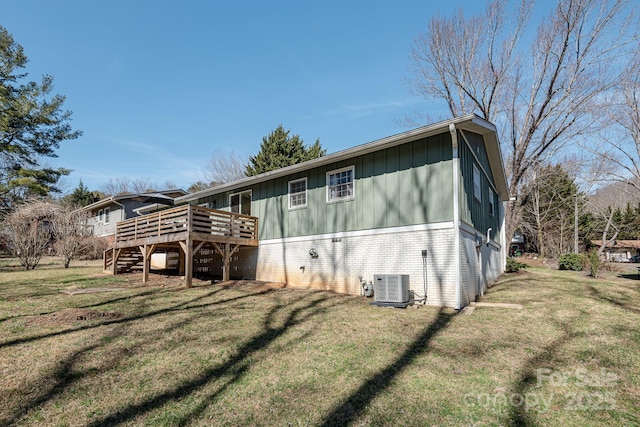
x=473, y=211
x=408, y=184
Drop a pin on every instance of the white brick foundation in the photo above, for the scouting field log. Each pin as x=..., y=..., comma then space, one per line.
x=343, y=258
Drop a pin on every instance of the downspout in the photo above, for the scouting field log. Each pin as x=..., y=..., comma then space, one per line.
x=503, y=238
x=456, y=214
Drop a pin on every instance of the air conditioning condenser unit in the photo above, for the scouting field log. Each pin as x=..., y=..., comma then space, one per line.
x=391, y=288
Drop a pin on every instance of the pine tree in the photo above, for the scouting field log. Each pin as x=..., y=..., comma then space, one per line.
x=279, y=150
x=80, y=197
x=32, y=125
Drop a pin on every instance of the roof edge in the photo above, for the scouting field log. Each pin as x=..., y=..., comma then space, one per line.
x=473, y=120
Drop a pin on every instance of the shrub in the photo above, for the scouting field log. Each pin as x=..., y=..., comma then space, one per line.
x=93, y=248
x=514, y=266
x=28, y=231
x=574, y=262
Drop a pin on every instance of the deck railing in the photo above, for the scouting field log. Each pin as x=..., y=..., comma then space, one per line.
x=187, y=218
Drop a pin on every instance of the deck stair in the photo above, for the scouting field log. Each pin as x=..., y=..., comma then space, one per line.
x=130, y=260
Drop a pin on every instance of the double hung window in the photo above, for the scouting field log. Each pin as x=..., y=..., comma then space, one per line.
x=340, y=184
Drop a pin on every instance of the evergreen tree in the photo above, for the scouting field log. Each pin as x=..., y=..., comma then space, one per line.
x=80, y=197
x=32, y=125
x=279, y=150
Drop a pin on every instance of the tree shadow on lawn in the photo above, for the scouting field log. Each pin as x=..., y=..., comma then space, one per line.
x=93, y=305
x=310, y=306
x=58, y=381
x=177, y=307
x=67, y=373
x=630, y=276
x=530, y=394
x=357, y=402
x=518, y=398
x=601, y=296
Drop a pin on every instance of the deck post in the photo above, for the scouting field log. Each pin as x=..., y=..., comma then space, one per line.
x=228, y=253
x=187, y=248
x=225, y=262
x=181, y=263
x=188, y=260
x=145, y=264
x=114, y=262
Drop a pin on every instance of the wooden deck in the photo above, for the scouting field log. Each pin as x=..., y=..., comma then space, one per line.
x=187, y=227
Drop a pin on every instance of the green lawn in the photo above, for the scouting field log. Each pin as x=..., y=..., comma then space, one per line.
x=248, y=354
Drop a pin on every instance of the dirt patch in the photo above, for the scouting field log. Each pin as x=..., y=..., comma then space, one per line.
x=71, y=316
x=253, y=285
x=134, y=280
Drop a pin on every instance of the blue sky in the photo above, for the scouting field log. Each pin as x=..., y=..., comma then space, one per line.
x=158, y=86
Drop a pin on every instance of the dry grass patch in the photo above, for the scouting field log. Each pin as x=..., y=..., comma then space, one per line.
x=253, y=353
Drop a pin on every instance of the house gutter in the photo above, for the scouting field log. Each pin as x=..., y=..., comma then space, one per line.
x=456, y=213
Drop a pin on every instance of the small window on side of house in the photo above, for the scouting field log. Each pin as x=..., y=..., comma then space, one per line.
x=298, y=193
x=492, y=206
x=340, y=184
x=477, y=188
x=106, y=215
x=100, y=216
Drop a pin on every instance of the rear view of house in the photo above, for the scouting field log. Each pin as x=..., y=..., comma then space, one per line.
x=426, y=205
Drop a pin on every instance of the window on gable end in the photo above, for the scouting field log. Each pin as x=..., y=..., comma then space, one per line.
x=492, y=206
x=477, y=188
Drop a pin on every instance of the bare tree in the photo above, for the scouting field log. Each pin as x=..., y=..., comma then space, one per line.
x=224, y=167
x=540, y=98
x=71, y=233
x=116, y=186
x=550, y=200
x=28, y=231
x=617, y=155
x=143, y=185
x=123, y=185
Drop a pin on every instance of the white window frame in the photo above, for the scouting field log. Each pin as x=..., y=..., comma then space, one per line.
x=100, y=216
x=239, y=194
x=352, y=194
x=477, y=183
x=106, y=215
x=302, y=205
x=492, y=203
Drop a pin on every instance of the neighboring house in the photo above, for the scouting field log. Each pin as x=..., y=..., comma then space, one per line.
x=427, y=203
x=517, y=244
x=619, y=250
x=106, y=213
